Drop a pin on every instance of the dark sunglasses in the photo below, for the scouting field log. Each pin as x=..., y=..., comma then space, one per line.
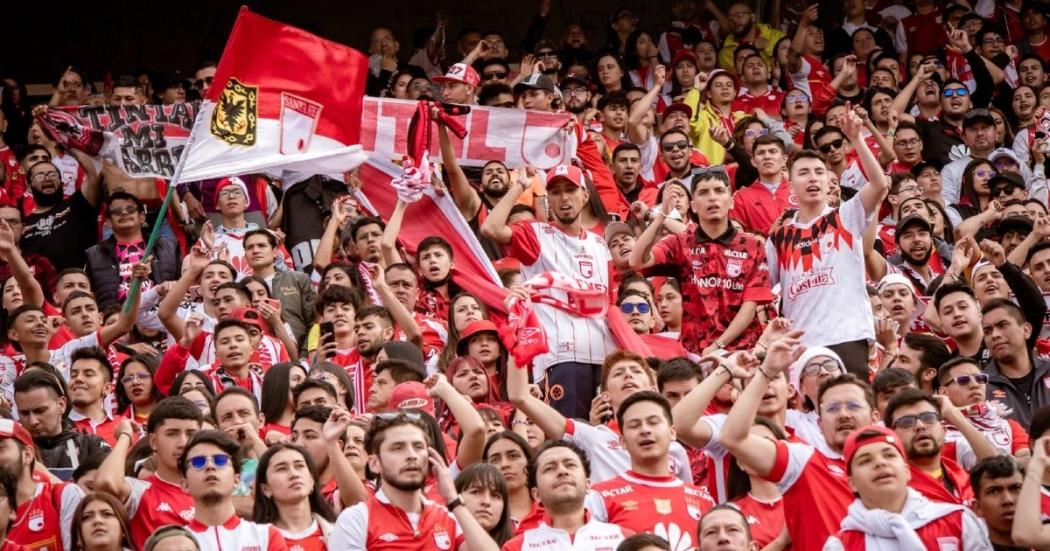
x=828, y=147
x=964, y=380
x=199, y=83
x=671, y=146
x=629, y=307
x=495, y=76
x=130, y=209
x=199, y=462
x=928, y=418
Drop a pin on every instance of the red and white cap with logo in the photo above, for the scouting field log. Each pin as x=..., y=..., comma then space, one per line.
x=14, y=429
x=230, y=181
x=460, y=72
x=565, y=172
x=411, y=395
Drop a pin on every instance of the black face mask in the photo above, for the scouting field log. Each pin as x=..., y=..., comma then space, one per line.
x=47, y=199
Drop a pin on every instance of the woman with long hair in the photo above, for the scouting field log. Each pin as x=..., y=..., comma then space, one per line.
x=684, y=67
x=511, y=454
x=755, y=496
x=278, y=408
x=136, y=391
x=463, y=309
x=669, y=305
x=974, y=209
x=485, y=495
x=612, y=74
x=100, y=523
x=480, y=341
x=192, y=379
x=287, y=495
x=640, y=56
x=942, y=226
x=468, y=376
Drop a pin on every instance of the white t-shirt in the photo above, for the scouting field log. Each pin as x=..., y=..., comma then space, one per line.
x=820, y=269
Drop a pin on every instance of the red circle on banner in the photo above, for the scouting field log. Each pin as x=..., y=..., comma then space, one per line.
x=552, y=150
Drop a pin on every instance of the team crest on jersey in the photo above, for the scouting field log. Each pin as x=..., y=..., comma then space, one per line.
x=236, y=115
x=663, y=506
x=586, y=268
x=36, y=521
x=694, y=511
x=186, y=514
x=948, y=543
x=734, y=267
x=836, y=470
x=441, y=539
x=388, y=537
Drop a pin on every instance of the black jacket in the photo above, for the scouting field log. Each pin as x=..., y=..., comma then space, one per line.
x=104, y=269
x=1002, y=389
x=55, y=450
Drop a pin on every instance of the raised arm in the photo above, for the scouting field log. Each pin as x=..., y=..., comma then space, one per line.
x=641, y=254
x=126, y=319
x=636, y=131
x=402, y=317
x=874, y=262
x=330, y=237
x=90, y=188
x=878, y=185
x=467, y=200
x=1028, y=528
x=475, y=537
x=32, y=293
x=756, y=452
x=110, y=477
x=903, y=100
x=798, y=42
x=168, y=309
x=351, y=489
x=495, y=225
x=390, y=233
x=688, y=414
x=471, y=425
x=546, y=418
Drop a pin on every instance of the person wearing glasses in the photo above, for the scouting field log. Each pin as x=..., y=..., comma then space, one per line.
x=979, y=135
x=109, y=262
x=939, y=469
x=399, y=449
x=637, y=310
x=59, y=228
x=963, y=382
x=203, y=78
x=811, y=477
x=210, y=466
x=888, y=512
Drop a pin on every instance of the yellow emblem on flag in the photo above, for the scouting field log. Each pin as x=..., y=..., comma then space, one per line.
x=663, y=506
x=236, y=115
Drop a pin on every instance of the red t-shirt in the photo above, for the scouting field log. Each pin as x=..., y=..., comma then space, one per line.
x=153, y=503
x=765, y=518
x=924, y=32
x=768, y=102
x=816, y=492
x=661, y=505
x=720, y=274
x=39, y=520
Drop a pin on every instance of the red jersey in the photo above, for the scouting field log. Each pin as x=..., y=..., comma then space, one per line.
x=952, y=487
x=662, y=505
x=44, y=521
x=766, y=518
x=238, y=535
x=153, y=503
x=15, y=181
x=720, y=274
x=814, y=79
x=935, y=526
x=756, y=208
x=311, y=539
x=530, y=520
x=360, y=372
x=431, y=303
x=924, y=33
x=816, y=492
x=102, y=429
x=768, y=102
x=377, y=525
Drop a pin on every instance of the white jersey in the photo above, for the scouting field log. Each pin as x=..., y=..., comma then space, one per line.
x=821, y=264
x=542, y=247
x=593, y=536
x=237, y=535
x=609, y=458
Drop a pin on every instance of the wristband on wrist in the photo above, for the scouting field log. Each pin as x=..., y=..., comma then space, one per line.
x=454, y=503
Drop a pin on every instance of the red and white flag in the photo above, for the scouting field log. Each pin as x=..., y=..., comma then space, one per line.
x=283, y=101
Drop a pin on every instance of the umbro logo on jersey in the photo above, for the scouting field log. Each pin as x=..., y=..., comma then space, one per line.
x=388, y=537
x=164, y=508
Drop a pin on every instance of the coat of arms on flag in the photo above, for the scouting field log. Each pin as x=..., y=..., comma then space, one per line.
x=235, y=117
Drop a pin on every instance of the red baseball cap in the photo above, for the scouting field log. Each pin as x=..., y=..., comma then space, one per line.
x=684, y=54
x=13, y=429
x=678, y=107
x=473, y=328
x=565, y=172
x=249, y=315
x=870, y=434
x=411, y=395
x=460, y=72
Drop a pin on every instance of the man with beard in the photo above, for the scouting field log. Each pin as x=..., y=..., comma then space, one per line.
x=578, y=344
x=574, y=46
x=887, y=513
x=996, y=483
x=675, y=151
x=45, y=509
x=938, y=469
x=399, y=450
x=60, y=229
x=560, y=474
x=914, y=239
x=744, y=29
x=211, y=468
x=726, y=277
x=473, y=204
x=1015, y=374
x=575, y=93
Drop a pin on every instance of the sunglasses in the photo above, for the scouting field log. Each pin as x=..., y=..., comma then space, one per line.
x=546, y=55
x=828, y=147
x=200, y=462
x=504, y=104
x=960, y=92
x=981, y=173
x=756, y=133
x=671, y=146
x=131, y=209
x=199, y=83
x=640, y=307
x=964, y=380
x=928, y=418
x=495, y=76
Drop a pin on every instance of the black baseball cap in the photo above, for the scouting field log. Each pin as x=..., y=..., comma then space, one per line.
x=974, y=116
x=1015, y=222
x=908, y=221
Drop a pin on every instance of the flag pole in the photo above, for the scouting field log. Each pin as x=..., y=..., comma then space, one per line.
x=154, y=234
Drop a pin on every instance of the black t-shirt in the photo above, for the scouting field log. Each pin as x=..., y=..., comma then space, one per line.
x=63, y=233
x=1024, y=384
